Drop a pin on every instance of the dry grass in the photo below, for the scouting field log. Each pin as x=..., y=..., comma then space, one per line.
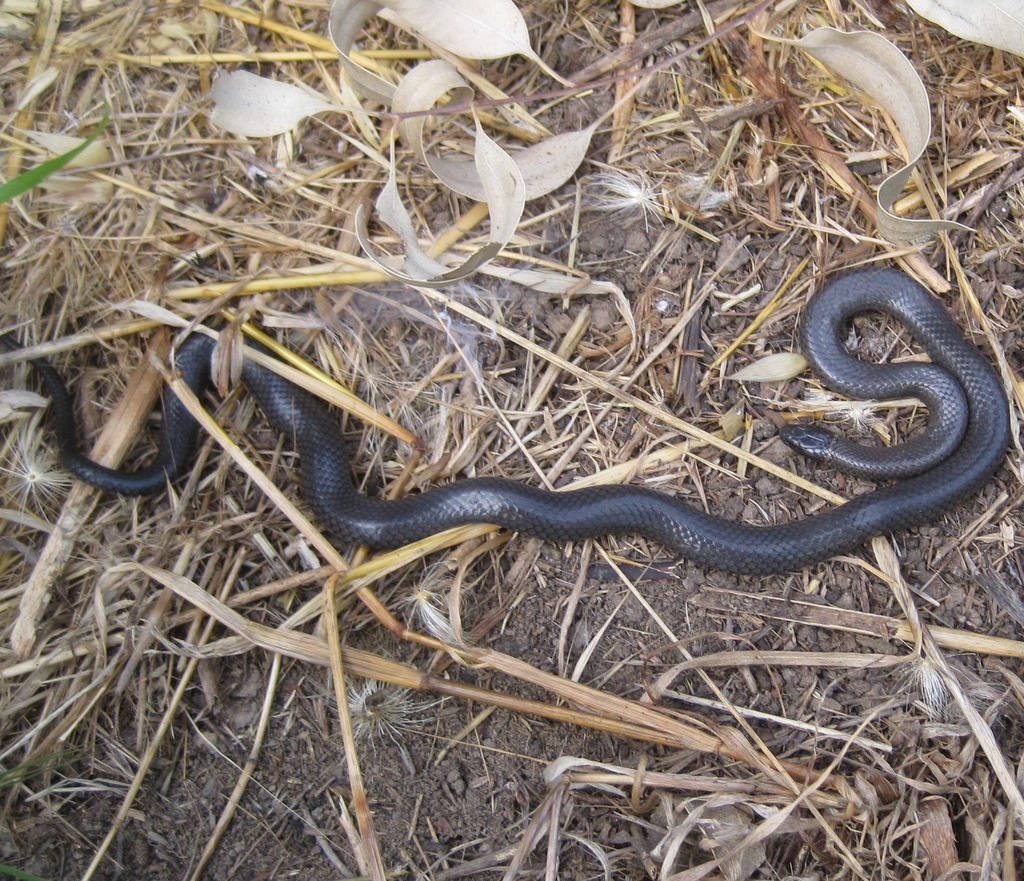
x=188, y=667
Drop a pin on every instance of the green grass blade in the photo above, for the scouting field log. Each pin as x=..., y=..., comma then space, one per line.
x=35, y=176
x=17, y=873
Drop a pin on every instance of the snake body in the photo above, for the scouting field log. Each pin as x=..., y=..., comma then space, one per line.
x=967, y=437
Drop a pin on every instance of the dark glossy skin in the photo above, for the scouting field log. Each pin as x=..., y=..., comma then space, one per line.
x=968, y=395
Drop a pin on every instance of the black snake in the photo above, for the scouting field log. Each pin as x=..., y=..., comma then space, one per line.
x=967, y=437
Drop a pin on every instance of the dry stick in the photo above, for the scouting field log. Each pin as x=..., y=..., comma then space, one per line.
x=113, y=444
x=794, y=610
x=625, y=89
x=254, y=57
x=76, y=340
x=831, y=163
x=256, y=19
x=647, y=44
x=280, y=585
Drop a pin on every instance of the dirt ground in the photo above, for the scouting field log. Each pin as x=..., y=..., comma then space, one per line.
x=847, y=720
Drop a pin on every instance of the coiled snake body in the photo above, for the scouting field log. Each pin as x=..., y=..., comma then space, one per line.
x=967, y=437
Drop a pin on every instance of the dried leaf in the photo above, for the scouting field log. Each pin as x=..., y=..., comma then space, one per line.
x=252, y=106
x=549, y=164
x=732, y=422
x=468, y=28
x=390, y=210
x=420, y=90
x=151, y=310
x=725, y=827
x=938, y=840
x=876, y=66
x=503, y=185
x=346, y=21
x=504, y=194
x=998, y=23
x=544, y=166
x=772, y=368
x=418, y=267
x=475, y=29
x=74, y=189
x=549, y=282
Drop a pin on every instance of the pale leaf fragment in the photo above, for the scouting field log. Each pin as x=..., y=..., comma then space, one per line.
x=877, y=67
x=550, y=163
x=389, y=207
x=252, y=106
x=12, y=27
x=74, y=189
x=155, y=312
x=420, y=89
x=475, y=29
x=998, y=23
x=732, y=423
x=550, y=282
x=37, y=85
x=96, y=153
x=14, y=400
x=772, y=368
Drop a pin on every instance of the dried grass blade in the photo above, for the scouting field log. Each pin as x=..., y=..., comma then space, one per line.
x=369, y=855
x=602, y=711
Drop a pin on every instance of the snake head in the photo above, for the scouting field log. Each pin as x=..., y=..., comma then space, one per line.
x=814, y=441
